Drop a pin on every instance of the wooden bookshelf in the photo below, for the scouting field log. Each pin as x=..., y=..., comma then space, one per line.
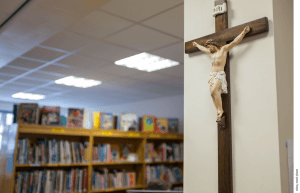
x=138, y=139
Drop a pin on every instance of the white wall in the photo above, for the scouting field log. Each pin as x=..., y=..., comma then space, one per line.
x=283, y=25
x=6, y=106
x=255, y=144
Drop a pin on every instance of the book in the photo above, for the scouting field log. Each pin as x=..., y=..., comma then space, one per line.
x=106, y=121
x=28, y=113
x=115, y=155
x=96, y=120
x=50, y=116
x=86, y=119
x=128, y=122
x=162, y=125
x=75, y=118
x=149, y=123
x=173, y=125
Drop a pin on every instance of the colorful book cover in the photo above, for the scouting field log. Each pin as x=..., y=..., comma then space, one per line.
x=173, y=125
x=148, y=124
x=162, y=125
x=75, y=118
x=125, y=149
x=28, y=113
x=128, y=122
x=50, y=116
x=115, y=155
x=106, y=121
x=96, y=120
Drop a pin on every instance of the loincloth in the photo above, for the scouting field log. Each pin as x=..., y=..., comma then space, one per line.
x=214, y=76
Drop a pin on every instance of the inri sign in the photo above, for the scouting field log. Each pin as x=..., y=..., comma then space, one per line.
x=219, y=9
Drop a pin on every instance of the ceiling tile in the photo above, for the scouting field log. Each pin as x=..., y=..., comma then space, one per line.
x=82, y=61
x=6, y=78
x=107, y=51
x=141, y=38
x=8, y=70
x=98, y=74
x=174, y=52
x=43, y=54
x=175, y=71
x=5, y=58
x=138, y=10
x=67, y=41
x=3, y=17
x=45, y=91
x=25, y=63
x=149, y=77
x=61, y=70
x=98, y=25
x=28, y=81
x=44, y=76
x=170, y=22
x=16, y=87
x=10, y=6
x=120, y=70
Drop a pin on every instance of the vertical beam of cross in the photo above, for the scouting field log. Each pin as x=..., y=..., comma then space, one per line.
x=224, y=135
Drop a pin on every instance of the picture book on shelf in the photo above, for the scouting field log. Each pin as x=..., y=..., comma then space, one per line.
x=115, y=156
x=106, y=121
x=28, y=113
x=96, y=120
x=148, y=123
x=50, y=116
x=75, y=118
x=173, y=125
x=161, y=125
x=128, y=122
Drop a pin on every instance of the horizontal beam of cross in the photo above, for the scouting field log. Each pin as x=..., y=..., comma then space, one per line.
x=257, y=26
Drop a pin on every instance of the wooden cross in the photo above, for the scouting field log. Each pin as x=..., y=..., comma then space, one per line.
x=224, y=35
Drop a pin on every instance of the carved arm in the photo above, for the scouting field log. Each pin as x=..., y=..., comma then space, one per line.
x=237, y=39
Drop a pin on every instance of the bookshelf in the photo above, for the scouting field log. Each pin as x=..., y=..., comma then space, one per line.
x=138, y=141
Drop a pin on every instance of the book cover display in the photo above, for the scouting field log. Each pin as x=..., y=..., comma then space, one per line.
x=28, y=113
x=106, y=121
x=75, y=118
x=128, y=122
x=161, y=125
x=50, y=116
x=148, y=124
x=173, y=125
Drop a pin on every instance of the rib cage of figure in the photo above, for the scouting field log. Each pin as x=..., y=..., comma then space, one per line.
x=217, y=79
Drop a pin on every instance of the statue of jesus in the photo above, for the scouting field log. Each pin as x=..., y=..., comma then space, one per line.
x=217, y=80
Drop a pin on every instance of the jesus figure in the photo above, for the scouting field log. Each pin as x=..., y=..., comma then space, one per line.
x=217, y=80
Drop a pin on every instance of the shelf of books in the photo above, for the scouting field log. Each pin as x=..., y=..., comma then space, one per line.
x=56, y=158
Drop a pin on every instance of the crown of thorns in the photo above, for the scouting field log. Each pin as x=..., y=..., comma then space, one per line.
x=210, y=41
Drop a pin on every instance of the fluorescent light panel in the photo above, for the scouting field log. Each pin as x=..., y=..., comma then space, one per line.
x=146, y=62
x=30, y=96
x=78, y=82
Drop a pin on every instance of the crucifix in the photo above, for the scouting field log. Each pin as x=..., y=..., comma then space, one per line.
x=218, y=45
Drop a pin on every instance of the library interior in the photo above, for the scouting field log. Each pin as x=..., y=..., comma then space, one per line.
x=144, y=96
x=91, y=95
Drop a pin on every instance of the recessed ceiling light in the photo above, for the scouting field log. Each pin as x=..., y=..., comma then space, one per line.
x=30, y=96
x=78, y=82
x=146, y=62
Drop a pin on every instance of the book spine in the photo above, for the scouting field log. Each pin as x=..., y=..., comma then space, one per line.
x=30, y=182
x=20, y=180
x=73, y=152
x=85, y=180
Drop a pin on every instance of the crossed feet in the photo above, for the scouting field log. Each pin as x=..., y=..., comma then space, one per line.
x=219, y=115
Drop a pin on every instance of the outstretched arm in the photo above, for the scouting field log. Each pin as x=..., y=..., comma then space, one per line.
x=237, y=39
x=202, y=48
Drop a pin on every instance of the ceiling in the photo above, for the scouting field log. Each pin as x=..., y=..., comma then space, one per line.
x=47, y=40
